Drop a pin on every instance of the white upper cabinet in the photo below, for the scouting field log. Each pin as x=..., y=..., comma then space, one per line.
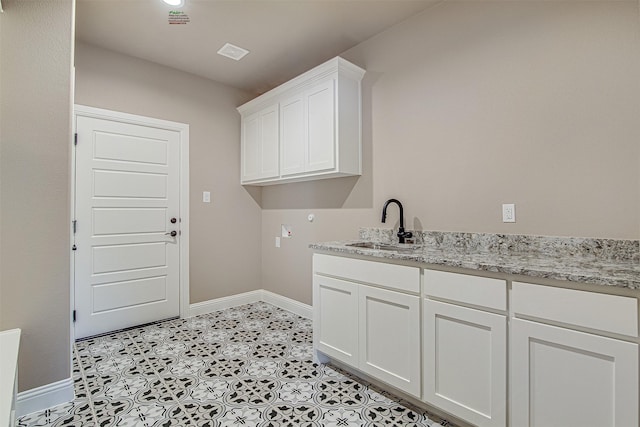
x=319, y=118
x=260, y=144
x=292, y=131
x=317, y=129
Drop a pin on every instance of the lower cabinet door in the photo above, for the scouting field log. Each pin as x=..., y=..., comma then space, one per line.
x=565, y=378
x=390, y=337
x=465, y=370
x=335, y=322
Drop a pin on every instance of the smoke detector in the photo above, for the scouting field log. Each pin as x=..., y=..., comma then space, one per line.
x=232, y=51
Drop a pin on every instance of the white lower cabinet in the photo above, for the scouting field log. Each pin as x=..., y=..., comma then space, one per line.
x=465, y=371
x=572, y=358
x=465, y=348
x=370, y=328
x=389, y=337
x=567, y=378
x=335, y=318
x=564, y=377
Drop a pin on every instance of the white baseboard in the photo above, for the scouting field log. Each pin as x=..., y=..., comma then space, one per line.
x=296, y=307
x=206, y=307
x=44, y=397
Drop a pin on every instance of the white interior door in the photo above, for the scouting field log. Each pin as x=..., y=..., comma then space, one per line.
x=127, y=186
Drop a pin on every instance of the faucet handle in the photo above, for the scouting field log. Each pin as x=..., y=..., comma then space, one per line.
x=403, y=235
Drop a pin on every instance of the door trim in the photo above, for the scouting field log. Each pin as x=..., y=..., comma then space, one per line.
x=183, y=130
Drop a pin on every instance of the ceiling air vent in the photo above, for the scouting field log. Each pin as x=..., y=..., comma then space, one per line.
x=232, y=51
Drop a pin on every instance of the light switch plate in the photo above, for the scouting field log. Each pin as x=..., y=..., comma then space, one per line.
x=206, y=197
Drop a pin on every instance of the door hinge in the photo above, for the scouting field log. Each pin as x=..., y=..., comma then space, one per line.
x=74, y=315
x=75, y=138
x=75, y=223
x=73, y=248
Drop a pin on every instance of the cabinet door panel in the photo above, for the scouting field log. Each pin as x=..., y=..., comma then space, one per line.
x=260, y=145
x=270, y=142
x=251, y=151
x=390, y=337
x=292, y=135
x=320, y=101
x=465, y=362
x=335, y=325
x=567, y=378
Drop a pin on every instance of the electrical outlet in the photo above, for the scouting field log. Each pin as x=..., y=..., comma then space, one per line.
x=509, y=212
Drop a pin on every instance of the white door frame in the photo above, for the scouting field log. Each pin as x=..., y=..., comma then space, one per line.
x=183, y=130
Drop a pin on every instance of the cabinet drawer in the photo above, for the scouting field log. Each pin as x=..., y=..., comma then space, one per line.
x=391, y=276
x=609, y=313
x=479, y=291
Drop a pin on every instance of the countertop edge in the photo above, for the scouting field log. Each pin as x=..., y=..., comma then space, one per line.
x=472, y=261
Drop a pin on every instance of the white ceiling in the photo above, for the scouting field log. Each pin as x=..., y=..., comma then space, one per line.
x=284, y=37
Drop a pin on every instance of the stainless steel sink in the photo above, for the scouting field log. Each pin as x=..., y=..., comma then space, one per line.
x=382, y=246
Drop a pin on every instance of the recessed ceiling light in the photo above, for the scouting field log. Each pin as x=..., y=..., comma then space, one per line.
x=174, y=3
x=232, y=51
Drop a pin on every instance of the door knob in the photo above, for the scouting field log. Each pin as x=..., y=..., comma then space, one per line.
x=173, y=220
x=173, y=233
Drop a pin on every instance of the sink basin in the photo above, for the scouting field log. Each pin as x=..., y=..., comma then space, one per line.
x=382, y=246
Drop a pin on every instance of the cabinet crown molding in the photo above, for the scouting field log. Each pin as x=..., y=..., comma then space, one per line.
x=336, y=65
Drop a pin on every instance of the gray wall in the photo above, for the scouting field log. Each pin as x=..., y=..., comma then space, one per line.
x=224, y=254
x=473, y=104
x=36, y=51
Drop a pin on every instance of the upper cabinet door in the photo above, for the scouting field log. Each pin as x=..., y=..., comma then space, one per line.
x=260, y=145
x=321, y=127
x=251, y=152
x=292, y=135
x=270, y=142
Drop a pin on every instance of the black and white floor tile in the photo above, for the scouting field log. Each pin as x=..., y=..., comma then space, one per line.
x=246, y=366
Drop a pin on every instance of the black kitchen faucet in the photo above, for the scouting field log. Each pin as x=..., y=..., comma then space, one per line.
x=401, y=233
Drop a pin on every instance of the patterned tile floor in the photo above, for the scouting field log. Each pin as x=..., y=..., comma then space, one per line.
x=246, y=366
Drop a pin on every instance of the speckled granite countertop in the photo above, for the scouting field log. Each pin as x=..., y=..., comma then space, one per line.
x=596, y=261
